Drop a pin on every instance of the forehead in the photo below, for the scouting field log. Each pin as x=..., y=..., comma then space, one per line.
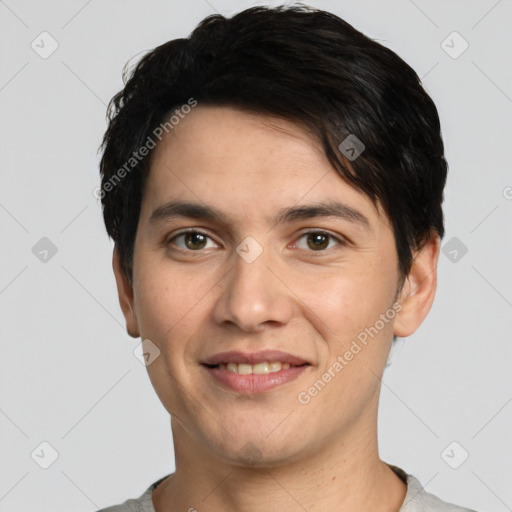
x=246, y=162
x=217, y=136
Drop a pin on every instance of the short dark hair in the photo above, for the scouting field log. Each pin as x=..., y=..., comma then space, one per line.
x=303, y=65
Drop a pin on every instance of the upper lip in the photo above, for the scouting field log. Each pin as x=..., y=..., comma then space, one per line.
x=254, y=358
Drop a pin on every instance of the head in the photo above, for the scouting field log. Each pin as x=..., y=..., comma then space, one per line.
x=255, y=126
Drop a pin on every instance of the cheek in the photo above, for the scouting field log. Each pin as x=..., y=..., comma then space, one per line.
x=344, y=300
x=347, y=308
x=166, y=298
x=169, y=313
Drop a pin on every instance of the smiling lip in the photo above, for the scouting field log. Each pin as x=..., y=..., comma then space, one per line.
x=254, y=383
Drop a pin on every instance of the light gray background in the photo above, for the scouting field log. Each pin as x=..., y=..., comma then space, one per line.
x=68, y=374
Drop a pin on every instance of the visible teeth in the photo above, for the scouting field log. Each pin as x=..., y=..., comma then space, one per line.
x=258, y=369
x=261, y=368
x=245, y=369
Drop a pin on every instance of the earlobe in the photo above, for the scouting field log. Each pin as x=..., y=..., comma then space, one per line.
x=125, y=294
x=418, y=292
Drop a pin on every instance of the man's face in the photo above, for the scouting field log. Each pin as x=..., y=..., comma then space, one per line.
x=307, y=286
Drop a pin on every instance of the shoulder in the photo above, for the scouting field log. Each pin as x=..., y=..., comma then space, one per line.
x=143, y=503
x=131, y=505
x=419, y=500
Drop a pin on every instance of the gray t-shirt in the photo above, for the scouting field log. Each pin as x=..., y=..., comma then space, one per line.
x=416, y=499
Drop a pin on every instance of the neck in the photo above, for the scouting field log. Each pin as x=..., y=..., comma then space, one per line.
x=347, y=474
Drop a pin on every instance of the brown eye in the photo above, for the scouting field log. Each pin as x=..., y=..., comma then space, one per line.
x=195, y=240
x=318, y=241
x=190, y=240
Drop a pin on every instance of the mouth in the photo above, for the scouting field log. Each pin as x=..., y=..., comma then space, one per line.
x=253, y=373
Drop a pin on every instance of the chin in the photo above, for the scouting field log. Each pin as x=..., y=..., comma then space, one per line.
x=254, y=454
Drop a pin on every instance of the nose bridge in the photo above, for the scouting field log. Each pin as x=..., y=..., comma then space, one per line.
x=251, y=294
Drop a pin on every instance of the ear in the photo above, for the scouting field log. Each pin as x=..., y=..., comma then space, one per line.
x=125, y=293
x=419, y=289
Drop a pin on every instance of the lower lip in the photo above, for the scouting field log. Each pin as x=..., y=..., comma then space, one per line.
x=255, y=383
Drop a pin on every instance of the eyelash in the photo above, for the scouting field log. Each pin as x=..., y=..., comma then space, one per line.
x=341, y=241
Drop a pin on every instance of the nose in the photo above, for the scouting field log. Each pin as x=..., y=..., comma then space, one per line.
x=254, y=294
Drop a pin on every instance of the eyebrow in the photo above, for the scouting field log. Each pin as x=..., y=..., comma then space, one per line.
x=335, y=209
